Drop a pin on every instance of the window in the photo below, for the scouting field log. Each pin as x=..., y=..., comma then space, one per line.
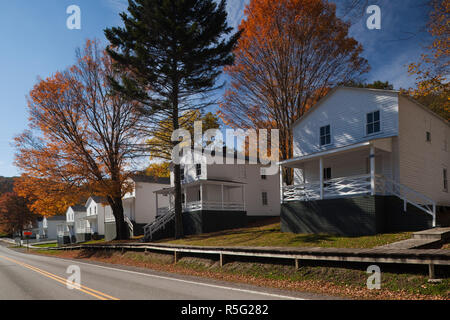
x=373, y=122
x=265, y=201
x=444, y=175
x=263, y=177
x=198, y=168
x=325, y=135
x=428, y=136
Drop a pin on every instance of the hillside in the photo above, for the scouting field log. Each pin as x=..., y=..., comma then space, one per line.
x=6, y=184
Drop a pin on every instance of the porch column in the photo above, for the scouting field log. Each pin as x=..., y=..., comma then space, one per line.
x=321, y=177
x=222, y=196
x=156, y=202
x=185, y=198
x=372, y=170
x=201, y=195
x=281, y=184
x=243, y=196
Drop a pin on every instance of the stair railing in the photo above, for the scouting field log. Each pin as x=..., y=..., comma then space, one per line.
x=386, y=185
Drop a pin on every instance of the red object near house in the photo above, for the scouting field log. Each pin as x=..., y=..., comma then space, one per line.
x=27, y=233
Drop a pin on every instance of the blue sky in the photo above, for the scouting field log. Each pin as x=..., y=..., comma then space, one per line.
x=36, y=43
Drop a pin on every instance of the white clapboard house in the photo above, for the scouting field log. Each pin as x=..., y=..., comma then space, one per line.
x=217, y=197
x=95, y=217
x=140, y=204
x=367, y=161
x=75, y=229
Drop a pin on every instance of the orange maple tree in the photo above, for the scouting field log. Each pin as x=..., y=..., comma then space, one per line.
x=81, y=138
x=291, y=52
x=433, y=87
x=15, y=214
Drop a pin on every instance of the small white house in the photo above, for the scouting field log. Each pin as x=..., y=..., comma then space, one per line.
x=48, y=227
x=219, y=196
x=140, y=204
x=97, y=208
x=75, y=222
x=366, y=142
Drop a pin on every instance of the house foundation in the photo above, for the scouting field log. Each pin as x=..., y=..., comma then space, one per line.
x=353, y=216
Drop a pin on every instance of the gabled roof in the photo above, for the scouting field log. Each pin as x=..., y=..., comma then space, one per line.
x=150, y=179
x=398, y=93
x=56, y=218
x=329, y=94
x=78, y=208
x=96, y=199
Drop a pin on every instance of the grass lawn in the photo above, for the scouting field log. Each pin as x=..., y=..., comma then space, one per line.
x=271, y=236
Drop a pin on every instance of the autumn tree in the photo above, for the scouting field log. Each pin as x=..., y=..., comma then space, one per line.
x=15, y=214
x=290, y=54
x=158, y=169
x=50, y=197
x=433, y=87
x=160, y=145
x=81, y=135
x=171, y=54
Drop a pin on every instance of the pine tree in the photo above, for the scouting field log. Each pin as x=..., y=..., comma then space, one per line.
x=171, y=53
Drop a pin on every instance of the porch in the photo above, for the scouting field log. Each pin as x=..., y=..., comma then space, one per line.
x=363, y=169
x=206, y=195
x=340, y=172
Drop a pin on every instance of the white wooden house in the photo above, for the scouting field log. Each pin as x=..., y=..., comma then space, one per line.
x=218, y=197
x=140, y=204
x=366, y=142
x=48, y=227
x=76, y=224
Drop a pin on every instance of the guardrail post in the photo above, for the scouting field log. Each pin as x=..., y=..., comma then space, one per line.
x=297, y=264
x=176, y=257
x=432, y=274
x=222, y=260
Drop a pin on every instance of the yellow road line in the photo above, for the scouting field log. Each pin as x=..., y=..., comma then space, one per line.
x=90, y=291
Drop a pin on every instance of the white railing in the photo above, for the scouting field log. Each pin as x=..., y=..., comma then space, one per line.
x=334, y=188
x=158, y=224
x=129, y=224
x=347, y=186
x=387, y=186
x=162, y=211
x=207, y=205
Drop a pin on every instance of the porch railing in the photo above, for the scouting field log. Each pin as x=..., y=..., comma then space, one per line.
x=206, y=205
x=339, y=187
x=360, y=185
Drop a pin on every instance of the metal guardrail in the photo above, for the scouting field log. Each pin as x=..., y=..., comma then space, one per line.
x=296, y=255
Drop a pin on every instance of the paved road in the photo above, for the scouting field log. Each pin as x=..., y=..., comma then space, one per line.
x=31, y=277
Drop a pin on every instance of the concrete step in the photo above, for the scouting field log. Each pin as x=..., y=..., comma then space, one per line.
x=433, y=234
x=412, y=244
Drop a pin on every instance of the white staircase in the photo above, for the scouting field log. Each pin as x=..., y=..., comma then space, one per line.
x=159, y=224
x=388, y=186
x=130, y=225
